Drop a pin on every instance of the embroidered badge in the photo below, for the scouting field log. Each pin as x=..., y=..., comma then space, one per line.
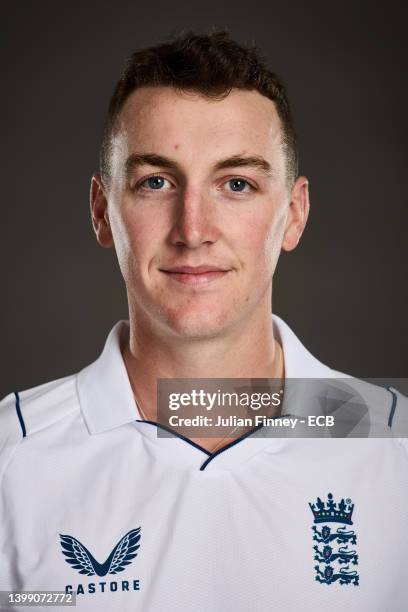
x=334, y=562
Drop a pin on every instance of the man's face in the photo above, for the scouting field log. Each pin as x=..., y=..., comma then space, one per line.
x=198, y=206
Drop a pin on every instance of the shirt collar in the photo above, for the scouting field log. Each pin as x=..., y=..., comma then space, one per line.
x=299, y=363
x=105, y=395
x=104, y=390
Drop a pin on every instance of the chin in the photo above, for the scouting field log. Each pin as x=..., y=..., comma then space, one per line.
x=197, y=325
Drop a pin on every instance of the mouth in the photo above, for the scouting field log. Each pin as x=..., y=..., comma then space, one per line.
x=196, y=275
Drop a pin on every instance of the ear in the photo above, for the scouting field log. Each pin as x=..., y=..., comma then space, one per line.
x=99, y=212
x=297, y=214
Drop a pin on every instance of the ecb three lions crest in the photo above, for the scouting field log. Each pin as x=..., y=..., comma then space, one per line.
x=335, y=549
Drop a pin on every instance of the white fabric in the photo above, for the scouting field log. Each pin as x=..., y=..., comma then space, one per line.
x=233, y=537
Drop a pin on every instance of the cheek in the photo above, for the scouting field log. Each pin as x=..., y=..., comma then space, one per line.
x=135, y=239
x=273, y=244
x=261, y=243
x=274, y=234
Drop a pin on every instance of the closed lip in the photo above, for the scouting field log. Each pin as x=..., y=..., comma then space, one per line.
x=202, y=269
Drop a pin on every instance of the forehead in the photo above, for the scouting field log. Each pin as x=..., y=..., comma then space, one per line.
x=164, y=119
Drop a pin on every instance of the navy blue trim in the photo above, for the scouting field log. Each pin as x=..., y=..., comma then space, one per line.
x=175, y=433
x=228, y=446
x=20, y=416
x=211, y=456
x=393, y=406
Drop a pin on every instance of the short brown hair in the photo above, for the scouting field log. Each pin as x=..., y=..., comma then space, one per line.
x=211, y=65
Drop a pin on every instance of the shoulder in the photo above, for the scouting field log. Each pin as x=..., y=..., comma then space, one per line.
x=361, y=408
x=382, y=408
x=24, y=413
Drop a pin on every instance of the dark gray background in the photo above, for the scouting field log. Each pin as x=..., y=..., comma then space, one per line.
x=343, y=290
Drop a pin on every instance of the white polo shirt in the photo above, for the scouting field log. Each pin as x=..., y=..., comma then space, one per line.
x=93, y=502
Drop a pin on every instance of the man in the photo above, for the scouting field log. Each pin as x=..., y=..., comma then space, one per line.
x=198, y=193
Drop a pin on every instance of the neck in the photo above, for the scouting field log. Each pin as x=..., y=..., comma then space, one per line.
x=247, y=351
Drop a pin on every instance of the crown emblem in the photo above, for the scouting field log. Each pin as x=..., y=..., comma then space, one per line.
x=332, y=512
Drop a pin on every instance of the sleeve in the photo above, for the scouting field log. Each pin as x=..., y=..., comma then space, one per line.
x=398, y=417
x=11, y=435
x=12, y=430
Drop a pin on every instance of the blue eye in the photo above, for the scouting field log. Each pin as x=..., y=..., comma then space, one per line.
x=155, y=182
x=238, y=184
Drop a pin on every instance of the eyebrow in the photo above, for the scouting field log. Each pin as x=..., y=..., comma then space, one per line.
x=236, y=161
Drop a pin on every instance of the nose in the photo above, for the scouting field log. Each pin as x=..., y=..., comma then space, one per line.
x=194, y=221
